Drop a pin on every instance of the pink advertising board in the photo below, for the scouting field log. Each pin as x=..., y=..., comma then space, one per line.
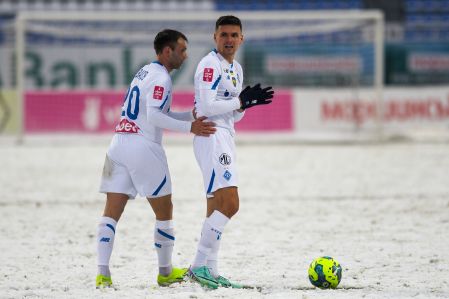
x=99, y=112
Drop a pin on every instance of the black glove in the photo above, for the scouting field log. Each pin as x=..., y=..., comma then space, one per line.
x=253, y=96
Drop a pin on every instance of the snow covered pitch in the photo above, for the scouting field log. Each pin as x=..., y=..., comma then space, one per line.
x=381, y=210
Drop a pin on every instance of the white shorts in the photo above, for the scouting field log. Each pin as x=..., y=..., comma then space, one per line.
x=216, y=157
x=134, y=166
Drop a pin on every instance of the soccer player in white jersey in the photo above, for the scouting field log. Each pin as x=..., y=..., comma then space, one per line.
x=219, y=96
x=136, y=162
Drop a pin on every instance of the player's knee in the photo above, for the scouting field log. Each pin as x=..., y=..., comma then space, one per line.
x=235, y=209
x=231, y=208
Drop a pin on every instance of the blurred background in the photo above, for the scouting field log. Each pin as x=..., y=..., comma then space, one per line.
x=344, y=70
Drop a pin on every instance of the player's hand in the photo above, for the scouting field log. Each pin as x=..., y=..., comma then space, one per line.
x=202, y=128
x=253, y=96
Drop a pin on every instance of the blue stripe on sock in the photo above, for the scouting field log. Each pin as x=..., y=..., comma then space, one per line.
x=211, y=182
x=160, y=186
x=157, y=245
x=166, y=235
x=111, y=227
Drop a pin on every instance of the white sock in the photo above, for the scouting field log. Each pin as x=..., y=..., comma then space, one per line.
x=210, y=236
x=164, y=240
x=105, y=243
x=212, y=259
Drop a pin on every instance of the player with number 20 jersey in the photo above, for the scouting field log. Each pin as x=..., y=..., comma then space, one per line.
x=136, y=162
x=145, y=112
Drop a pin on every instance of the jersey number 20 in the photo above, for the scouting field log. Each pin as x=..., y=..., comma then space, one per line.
x=132, y=97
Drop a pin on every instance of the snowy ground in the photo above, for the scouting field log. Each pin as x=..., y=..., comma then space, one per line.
x=381, y=210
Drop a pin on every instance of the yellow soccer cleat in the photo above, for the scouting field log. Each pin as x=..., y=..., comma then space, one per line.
x=177, y=275
x=103, y=281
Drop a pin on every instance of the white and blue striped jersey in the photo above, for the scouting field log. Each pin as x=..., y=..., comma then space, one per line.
x=218, y=84
x=146, y=110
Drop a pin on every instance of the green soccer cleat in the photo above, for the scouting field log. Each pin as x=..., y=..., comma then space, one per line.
x=203, y=277
x=224, y=282
x=177, y=275
x=103, y=281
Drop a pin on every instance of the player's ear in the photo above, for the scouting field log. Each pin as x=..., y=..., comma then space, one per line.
x=166, y=51
x=215, y=37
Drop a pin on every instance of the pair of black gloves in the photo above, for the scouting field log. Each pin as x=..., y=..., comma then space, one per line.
x=253, y=96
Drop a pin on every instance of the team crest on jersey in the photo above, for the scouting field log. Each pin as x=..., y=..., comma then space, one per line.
x=208, y=74
x=227, y=175
x=158, y=92
x=234, y=82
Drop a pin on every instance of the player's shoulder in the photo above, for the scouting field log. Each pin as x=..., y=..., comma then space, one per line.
x=157, y=74
x=210, y=60
x=238, y=66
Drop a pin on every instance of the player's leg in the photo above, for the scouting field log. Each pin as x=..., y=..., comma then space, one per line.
x=215, y=156
x=164, y=237
x=204, y=267
x=226, y=201
x=152, y=180
x=220, y=208
x=115, y=204
x=164, y=240
x=117, y=184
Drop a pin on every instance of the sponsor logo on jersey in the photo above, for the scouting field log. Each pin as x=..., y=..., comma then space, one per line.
x=158, y=92
x=105, y=240
x=225, y=159
x=126, y=126
x=208, y=74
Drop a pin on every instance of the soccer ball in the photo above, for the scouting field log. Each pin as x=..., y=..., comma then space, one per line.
x=325, y=272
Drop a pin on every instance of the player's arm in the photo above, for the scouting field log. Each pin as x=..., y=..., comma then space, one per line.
x=156, y=98
x=238, y=115
x=164, y=121
x=185, y=116
x=207, y=79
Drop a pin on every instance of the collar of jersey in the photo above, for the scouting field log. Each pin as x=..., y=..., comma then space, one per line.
x=163, y=66
x=221, y=58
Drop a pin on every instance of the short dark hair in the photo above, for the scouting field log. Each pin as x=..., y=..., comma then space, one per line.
x=167, y=37
x=228, y=20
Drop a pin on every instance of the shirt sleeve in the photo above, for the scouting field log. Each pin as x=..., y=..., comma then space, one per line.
x=186, y=116
x=238, y=115
x=207, y=79
x=158, y=119
x=158, y=92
